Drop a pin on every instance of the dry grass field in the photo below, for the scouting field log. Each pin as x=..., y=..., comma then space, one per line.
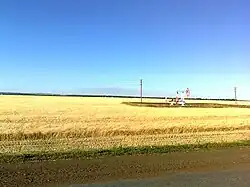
x=33, y=123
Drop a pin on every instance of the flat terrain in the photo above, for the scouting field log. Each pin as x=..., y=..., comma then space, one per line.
x=221, y=167
x=234, y=177
x=187, y=105
x=105, y=139
x=44, y=124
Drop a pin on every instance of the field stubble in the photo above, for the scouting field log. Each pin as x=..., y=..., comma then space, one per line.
x=32, y=123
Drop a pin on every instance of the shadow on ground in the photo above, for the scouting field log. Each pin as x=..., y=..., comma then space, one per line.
x=187, y=105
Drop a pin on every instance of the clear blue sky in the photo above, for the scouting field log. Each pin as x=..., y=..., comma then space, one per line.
x=106, y=46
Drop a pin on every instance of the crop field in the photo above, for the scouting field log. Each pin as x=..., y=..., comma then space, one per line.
x=44, y=123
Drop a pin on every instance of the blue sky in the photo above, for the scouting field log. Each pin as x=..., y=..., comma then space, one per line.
x=106, y=46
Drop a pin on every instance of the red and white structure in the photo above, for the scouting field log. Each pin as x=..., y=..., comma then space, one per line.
x=188, y=92
x=181, y=95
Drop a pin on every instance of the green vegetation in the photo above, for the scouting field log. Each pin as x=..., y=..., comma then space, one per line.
x=117, y=151
x=107, y=96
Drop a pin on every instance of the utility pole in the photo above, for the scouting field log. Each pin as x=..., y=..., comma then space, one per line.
x=235, y=94
x=141, y=89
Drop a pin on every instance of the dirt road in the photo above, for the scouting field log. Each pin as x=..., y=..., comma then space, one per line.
x=233, y=177
x=225, y=167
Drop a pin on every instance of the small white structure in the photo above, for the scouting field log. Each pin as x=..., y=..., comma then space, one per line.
x=182, y=100
x=180, y=97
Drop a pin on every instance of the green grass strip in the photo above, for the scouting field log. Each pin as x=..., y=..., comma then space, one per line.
x=117, y=151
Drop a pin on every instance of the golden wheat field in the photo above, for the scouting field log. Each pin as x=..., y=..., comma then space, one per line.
x=30, y=122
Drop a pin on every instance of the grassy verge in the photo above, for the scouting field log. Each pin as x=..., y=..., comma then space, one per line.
x=117, y=151
x=187, y=105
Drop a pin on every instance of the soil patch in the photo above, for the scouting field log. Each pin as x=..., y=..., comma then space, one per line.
x=187, y=105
